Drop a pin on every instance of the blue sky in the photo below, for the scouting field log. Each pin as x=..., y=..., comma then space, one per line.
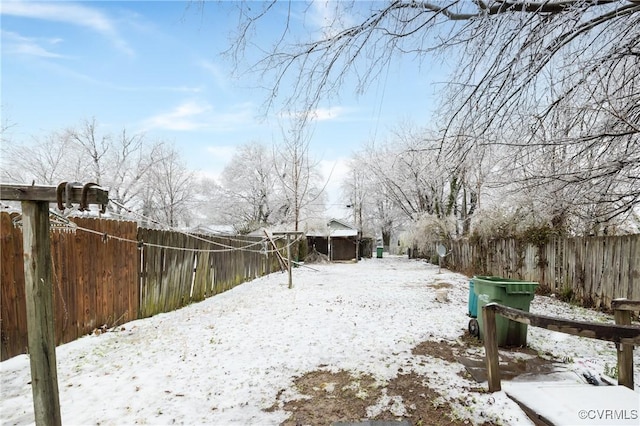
x=155, y=66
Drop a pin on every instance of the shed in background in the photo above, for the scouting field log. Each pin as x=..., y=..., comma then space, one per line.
x=339, y=242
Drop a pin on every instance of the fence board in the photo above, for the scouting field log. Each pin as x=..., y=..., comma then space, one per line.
x=13, y=313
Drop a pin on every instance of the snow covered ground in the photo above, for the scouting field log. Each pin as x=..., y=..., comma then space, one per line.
x=229, y=358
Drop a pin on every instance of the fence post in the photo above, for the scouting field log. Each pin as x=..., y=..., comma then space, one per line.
x=289, y=261
x=39, y=284
x=39, y=298
x=491, y=347
x=625, y=352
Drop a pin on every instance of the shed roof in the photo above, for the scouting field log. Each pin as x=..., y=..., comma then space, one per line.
x=334, y=233
x=344, y=233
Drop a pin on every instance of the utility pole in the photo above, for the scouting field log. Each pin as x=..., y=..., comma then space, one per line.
x=39, y=285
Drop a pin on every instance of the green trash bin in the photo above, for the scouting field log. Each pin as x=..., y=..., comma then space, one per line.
x=379, y=252
x=512, y=293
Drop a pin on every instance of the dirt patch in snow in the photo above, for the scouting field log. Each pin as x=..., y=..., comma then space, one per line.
x=470, y=340
x=442, y=349
x=423, y=405
x=340, y=396
x=332, y=397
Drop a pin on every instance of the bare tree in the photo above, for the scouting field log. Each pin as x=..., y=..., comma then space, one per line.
x=169, y=189
x=513, y=38
x=6, y=124
x=136, y=172
x=525, y=67
x=131, y=159
x=46, y=160
x=356, y=191
x=298, y=176
x=94, y=146
x=249, y=182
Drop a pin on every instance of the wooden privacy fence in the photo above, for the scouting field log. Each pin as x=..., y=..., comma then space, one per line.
x=92, y=279
x=590, y=270
x=171, y=278
x=102, y=276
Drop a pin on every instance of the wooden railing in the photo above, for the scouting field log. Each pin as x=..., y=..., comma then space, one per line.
x=622, y=333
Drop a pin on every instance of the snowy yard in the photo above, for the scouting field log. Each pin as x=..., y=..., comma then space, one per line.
x=349, y=341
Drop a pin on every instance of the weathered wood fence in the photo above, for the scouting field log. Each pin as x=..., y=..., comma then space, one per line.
x=104, y=276
x=590, y=270
x=201, y=268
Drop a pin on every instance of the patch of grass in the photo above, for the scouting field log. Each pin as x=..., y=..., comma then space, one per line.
x=611, y=371
x=566, y=294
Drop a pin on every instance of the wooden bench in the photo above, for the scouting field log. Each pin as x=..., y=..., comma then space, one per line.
x=622, y=333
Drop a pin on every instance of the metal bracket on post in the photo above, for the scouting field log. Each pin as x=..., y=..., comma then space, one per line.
x=84, y=206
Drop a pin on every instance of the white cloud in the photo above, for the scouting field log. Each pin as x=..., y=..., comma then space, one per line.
x=69, y=13
x=14, y=43
x=187, y=116
x=199, y=115
x=320, y=114
x=325, y=114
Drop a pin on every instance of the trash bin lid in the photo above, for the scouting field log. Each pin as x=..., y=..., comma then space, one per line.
x=510, y=286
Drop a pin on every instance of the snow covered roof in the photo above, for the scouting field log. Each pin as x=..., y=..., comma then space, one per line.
x=338, y=224
x=335, y=233
x=213, y=229
x=344, y=233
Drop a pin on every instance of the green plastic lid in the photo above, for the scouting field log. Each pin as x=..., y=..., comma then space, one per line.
x=510, y=286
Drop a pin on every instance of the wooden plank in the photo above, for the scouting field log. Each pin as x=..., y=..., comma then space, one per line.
x=40, y=315
x=277, y=252
x=612, y=333
x=134, y=263
x=60, y=297
x=617, y=290
x=144, y=275
x=625, y=305
x=91, y=316
x=95, y=194
x=625, y=335
x=633, y=285
x=13, y=317
x=76, y=279
x=491, y=348
x=624, y=352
